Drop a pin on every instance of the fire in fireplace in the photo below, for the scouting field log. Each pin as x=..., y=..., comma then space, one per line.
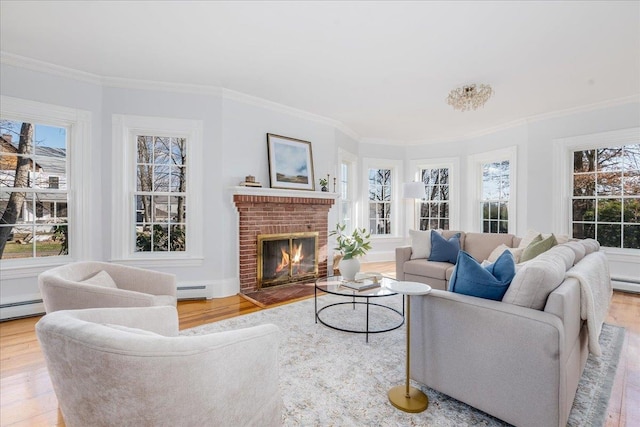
x=287, y=258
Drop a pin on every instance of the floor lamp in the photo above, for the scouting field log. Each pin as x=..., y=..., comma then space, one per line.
x=413, y=190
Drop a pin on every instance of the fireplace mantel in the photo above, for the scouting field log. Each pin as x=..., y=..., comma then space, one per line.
x=278, y=192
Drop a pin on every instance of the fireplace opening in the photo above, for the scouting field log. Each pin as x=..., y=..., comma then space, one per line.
x=287, y=258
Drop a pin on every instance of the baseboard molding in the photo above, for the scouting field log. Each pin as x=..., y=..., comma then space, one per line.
x=626, y=286
x=19, y=310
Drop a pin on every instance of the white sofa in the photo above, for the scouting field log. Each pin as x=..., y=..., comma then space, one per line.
x=76, y=286
x=129, y=367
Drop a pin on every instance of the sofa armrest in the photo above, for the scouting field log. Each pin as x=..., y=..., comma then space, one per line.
x=403, y=254
x=461, y=344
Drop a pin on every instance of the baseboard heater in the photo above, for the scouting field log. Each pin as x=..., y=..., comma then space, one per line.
x=21, y=309
x=188, y=293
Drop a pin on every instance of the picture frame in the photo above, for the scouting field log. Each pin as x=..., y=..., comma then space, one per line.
x=290, y=163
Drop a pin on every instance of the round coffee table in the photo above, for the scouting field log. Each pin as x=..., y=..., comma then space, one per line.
x=336, y=285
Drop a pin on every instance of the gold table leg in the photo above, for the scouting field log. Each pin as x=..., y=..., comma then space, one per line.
x=407, y=398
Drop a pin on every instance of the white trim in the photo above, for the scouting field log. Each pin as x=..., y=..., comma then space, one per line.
x=351, y=160
x=396, y=196
x=48, y=68
x=278, y=192
x=125, y=127
x=474, y=185
x=78, y=123
x=451, y=163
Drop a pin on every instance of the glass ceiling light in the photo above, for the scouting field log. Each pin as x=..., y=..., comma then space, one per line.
x=469, y=97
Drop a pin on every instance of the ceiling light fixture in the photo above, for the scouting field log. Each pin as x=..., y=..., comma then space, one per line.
x=469, y=97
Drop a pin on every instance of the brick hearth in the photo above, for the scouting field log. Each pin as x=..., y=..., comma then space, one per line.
x=268, y=211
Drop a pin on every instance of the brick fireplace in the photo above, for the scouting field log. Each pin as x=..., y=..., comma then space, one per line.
x=270, y=211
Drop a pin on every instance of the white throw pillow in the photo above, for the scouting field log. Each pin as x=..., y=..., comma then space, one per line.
x=101, y=278
x=131, y=330
x=420, y=243
x=516, y=252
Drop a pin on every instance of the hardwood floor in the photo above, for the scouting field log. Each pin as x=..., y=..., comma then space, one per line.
x=27, y=397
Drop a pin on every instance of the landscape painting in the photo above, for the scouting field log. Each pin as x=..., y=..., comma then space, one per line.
x=290, y=163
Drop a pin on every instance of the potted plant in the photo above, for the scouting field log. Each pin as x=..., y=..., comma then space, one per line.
x=323, y=183
x=351, y=246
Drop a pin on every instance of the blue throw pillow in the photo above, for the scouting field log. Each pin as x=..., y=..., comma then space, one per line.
x=444, y=250
x=490, y=282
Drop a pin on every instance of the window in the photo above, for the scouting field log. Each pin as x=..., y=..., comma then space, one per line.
x=495, y=197
x=606, y=195
x=380, y=185
x=40, y=220
x=160, y=195
x=435, y=207
x=493, y=176
x=158, y=198
x=347, y=189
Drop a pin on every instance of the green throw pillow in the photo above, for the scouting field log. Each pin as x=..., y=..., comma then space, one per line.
x=538, y=247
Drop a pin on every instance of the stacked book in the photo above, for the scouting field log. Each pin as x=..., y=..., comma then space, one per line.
x=250, y=181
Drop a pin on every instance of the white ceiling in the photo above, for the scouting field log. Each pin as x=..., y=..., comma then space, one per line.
x=382, y=69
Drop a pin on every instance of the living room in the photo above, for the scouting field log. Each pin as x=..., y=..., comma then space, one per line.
x=563, y=74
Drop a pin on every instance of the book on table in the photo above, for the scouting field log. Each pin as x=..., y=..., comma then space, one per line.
x=362, y=284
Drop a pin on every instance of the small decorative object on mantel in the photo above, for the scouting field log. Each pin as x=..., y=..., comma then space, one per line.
x=323, y=183
x=250, y=181
x=351, y=246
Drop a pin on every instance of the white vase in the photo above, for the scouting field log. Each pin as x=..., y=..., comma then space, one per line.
x=349, y=268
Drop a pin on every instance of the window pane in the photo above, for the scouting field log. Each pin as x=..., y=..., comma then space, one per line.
x=632, y=236
x=609, y=183
x=584, y=161
x=631, y=183
x=160, y=209
x=609, y=235
x=609, y=210
x=504, y=211
x=632, y=210
x=161, y=147
x=178, y=151
x=161, y=175
x=46, y=242
x=144, y=178
x=584, y=210
x=145, y=149
x=610, y=159
x=584, y=184
x=584, y=231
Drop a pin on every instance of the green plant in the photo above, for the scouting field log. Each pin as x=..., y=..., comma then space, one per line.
x=324, y=182
x=351, y=245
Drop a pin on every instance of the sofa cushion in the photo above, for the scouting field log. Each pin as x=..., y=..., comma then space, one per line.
x=530, y=237
x=578, y=250
x=444, y=250
x=590, y=245
x=420, y=243
x=422, y=267
x=101, y=278
x=480, y=245
x=490, y=282
x=537, y=278
x=537, y=248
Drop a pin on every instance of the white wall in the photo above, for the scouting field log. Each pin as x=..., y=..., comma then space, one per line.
x=234, y=145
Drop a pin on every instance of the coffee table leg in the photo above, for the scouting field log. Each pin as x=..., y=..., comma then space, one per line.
x=367, y=334
x=315, y=301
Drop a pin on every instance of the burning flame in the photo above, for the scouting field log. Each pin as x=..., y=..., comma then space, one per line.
x=288, y=259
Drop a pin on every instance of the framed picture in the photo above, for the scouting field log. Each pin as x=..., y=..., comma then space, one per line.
x=290, y=163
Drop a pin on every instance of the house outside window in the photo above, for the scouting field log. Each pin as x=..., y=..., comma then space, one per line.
x=434, y=208
x=30, y=227
x=157, y=190
x=605, y=201
x=496, y=191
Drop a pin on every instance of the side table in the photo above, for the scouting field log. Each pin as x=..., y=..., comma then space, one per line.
x=407, y=398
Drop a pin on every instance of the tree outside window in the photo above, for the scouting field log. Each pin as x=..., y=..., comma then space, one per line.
x=33, y=190
x=495, y=197
x=606, y=195
x=160, y=196
x=434, y=208
x=380, y=186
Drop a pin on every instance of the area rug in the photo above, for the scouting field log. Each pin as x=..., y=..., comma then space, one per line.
x=334, y=378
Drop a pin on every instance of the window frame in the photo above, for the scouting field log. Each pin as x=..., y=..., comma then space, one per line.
x=395, y=166
x=352, y=186
x=475, y=164
x=563, y=149
x=78, y=125
x=451, y=163
x=125, y=131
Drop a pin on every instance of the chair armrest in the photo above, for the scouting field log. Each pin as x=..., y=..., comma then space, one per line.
x=142, y=280
x=66, y=295
x=403, y=254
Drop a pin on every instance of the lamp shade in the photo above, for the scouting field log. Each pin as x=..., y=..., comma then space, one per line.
x=413, y=190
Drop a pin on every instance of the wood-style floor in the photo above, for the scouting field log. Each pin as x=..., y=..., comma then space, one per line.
x=27, y=397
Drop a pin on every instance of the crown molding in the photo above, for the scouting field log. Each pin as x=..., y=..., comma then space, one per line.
x=137, y=84
x=49, y=68
x=281, y=108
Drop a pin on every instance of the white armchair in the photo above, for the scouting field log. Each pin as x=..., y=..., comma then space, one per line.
x=76, y=286
x=129, y=367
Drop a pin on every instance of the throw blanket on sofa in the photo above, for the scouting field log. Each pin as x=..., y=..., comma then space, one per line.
x=595, y=294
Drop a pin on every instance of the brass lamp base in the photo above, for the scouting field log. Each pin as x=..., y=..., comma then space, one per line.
x=416, y=401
